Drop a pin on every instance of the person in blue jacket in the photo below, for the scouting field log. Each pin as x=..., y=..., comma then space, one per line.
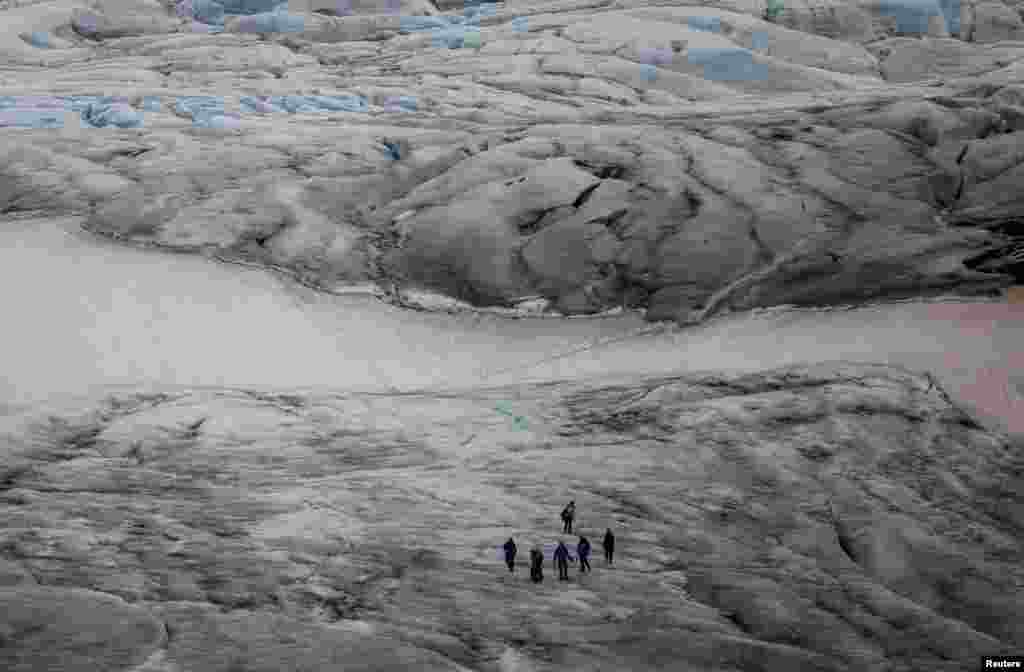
x=583, y=550
x=562, y=560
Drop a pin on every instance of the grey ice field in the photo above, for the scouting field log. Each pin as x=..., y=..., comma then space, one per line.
x=309, y=307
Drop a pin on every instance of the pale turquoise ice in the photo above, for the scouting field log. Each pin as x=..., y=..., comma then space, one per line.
x=296, y=103
x=711, y=24
x=272, y=22
x=912, y=15
x=39, y=39
x=727, y=64
x=31, y=112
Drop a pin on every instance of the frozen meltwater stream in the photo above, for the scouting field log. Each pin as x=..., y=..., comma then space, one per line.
x=81, y=315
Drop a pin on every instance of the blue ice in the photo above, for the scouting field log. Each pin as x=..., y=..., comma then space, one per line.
x=209, y=12
x=912, y=15
x=250, y=7
x=39, y=39
x=452, y=37
x=218, y=121
x=423, y=24
x=477, y=9
x=296, y=104
x=710, y=24
x=272, y=22
x=104, y=111
x=400, y=104
x=31, y=112
x=951, y=11
x=324, y=103
x=393, y=151
x=727, y=64
x=260, y=104
x=196, y=106
x=102, y=114
x=445, y=31
x=263, y=16
x=205, y=111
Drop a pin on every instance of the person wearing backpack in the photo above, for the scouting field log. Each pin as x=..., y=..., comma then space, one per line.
x=583, y=550
x=562, y=560
x=536, y=565
x=568, y=513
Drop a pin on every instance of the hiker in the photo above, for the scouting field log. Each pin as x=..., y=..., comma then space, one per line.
x=609, y=545
x=562, y=559
x=510, y=554
x=536, y=565
x=568, y=513
x=583, y=550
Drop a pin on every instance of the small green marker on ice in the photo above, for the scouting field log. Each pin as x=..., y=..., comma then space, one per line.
x=518, y=420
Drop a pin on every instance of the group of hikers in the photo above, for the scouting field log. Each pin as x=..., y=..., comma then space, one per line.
x=561, y=555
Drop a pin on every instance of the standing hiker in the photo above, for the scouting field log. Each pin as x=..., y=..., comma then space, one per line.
x=536, y=565
x=568, y=513
x=562, y=559
x=583, y=550
x=510, y=554
x=609, y=545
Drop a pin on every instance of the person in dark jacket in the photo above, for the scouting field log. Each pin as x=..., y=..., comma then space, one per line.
x=609, y=545
x=562, y=559
x=536, y=565
x=568, y=513
x=510, y=554
x=583, y=550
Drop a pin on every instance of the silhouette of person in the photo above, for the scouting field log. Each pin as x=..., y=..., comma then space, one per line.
x=510, y=554
x=562, y=559
x=536, y=565
x=568, y=513
x=583, y=550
